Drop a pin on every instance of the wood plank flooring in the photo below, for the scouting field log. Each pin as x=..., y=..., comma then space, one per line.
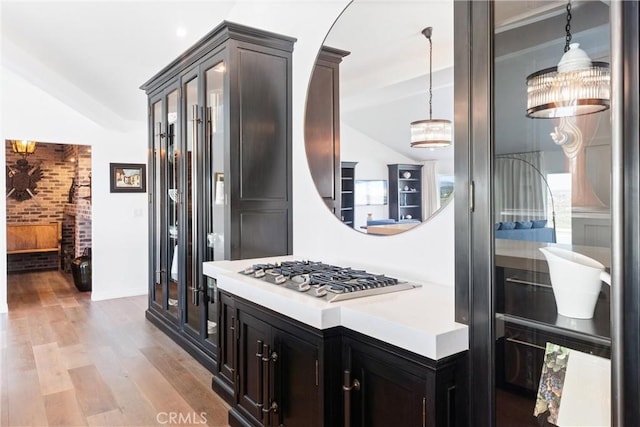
x=68, y=361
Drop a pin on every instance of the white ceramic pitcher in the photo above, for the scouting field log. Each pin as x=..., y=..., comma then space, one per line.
x=576, y=281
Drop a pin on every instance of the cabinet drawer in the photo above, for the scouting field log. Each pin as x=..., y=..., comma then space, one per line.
x=527, y=292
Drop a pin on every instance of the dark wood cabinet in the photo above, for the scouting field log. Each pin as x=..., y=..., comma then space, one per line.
x=220, y=184
x=386, y=386
x=278, y=369
x=347, y=192
x=289, y=374
x=297, y=380
x=405, y=192
x=255, y=370
x=227, y=326
x=322, y=126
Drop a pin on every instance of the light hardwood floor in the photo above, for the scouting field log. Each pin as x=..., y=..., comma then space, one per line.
x=68, y=361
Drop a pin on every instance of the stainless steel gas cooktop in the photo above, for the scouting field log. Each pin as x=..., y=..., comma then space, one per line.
x=328, y=282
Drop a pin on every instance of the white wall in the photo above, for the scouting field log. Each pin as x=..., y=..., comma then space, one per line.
x=119, y=221
x=425, y=254
x=120, y=233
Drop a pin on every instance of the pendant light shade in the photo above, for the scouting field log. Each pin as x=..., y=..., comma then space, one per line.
x=577, y=86
x=430, y=133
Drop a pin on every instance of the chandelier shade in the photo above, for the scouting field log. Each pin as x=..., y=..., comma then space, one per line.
x=577, y=86
x=552, y=94
x=430, y=133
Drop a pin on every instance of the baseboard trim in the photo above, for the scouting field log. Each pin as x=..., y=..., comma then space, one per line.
x=120, y=293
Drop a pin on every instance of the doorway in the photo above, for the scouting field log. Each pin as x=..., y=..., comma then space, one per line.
x=48, y=208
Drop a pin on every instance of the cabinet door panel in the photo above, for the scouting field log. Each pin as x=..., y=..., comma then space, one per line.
x=388, y=396
x=254, y=335
x=322, y=139
x=297, y=381
x=263, y=94
x=263, y=233
x=227, y=353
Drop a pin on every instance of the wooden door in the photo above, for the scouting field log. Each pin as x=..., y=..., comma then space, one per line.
x=297, y=382
x=381, y=393
x=253, y=385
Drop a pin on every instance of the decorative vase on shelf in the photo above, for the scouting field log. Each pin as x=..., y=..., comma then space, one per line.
x=406, y=175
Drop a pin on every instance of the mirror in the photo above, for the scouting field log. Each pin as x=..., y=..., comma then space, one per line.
x=370, y=81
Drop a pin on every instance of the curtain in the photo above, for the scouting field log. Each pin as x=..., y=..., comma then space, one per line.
x=430, y=191
x=519, y=187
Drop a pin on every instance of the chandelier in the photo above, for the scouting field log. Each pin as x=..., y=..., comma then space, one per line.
x=431, y=132
x=575, y=87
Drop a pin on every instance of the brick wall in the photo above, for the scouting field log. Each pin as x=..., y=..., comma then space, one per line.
x=51, y=199
x=82, y=199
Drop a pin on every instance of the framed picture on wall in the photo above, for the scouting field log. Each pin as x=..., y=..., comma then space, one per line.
x=128, y=177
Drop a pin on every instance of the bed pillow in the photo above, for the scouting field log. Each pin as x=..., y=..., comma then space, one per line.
x=498, y=225
x=539, y=223
x=523, y=224
x=508, y=226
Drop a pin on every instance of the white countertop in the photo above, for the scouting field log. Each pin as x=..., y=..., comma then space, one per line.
x=419, y=320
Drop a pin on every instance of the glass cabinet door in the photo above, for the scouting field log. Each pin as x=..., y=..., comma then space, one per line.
x=215, y=195
x=552, y=219
x=172, y=187
x=192, y=267
x=164, y=207
x=158, y=154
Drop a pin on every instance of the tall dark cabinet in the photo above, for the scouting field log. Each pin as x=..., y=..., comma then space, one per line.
x=348, y=193
x=405, y=192
x=322, y=126
x=219, y=172
x=496, y=299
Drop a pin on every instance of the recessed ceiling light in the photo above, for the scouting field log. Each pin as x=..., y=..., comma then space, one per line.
x=181, y=32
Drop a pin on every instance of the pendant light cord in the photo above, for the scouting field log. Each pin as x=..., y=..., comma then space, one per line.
x=427, y=34
x=568, y=27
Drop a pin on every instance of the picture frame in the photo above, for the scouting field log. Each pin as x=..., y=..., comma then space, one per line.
x=128, y=177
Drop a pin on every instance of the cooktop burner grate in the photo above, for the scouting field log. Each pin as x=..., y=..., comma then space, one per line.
x=330, y=282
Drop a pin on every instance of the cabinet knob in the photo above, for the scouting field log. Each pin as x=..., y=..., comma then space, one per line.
x=273, y=407
x=273, y=357
x=355, y=385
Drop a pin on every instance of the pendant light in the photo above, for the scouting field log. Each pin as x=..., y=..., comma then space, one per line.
x=575, y=87
x=431, y=132
x=23, y=148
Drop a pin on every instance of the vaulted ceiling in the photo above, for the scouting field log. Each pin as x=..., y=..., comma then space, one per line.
x=94, y=55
